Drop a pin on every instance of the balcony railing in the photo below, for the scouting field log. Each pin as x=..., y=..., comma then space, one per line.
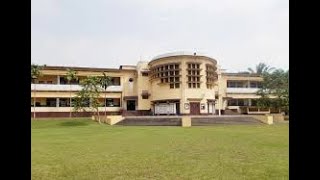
x=242, y=90
x=66, y=87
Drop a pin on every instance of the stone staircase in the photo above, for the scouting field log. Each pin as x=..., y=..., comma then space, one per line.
x=204, y=121
x=150, y=121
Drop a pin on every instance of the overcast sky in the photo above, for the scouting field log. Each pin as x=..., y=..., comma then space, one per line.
x=108, y=33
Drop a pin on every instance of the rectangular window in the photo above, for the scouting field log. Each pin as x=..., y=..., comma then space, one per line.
x=198, y=85
x=189, y=85
x=177, y=85
x=232, y=102
x=51, y=102
x=113, y=102
x=145, y=74
x=171, y=86
x=64, y=102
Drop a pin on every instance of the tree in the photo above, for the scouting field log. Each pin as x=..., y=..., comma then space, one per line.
x=105, y=81
x=71, y=75
x=261, y=68
x=90, y=93
x=35, y=74
x=275, y=84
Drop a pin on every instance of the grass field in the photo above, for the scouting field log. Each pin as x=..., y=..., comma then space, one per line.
x=83, y=149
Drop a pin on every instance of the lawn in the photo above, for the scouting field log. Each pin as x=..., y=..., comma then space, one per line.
x=82, y=149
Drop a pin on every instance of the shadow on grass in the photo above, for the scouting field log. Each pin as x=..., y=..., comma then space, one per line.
x=74, y=123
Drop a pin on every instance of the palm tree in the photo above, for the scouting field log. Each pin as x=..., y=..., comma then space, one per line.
x=105, y=81
x=71, y=75
x=261, y=68
x=35, y=73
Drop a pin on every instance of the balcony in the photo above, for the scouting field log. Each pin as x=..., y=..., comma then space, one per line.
x=242, y=90
x=66, y=87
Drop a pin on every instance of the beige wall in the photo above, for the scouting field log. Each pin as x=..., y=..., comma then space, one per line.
x=160, y=91
x=67, y=94
x=143, y=84
x=67, y=109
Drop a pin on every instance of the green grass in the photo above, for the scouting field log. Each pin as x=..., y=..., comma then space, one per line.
x=82, y=149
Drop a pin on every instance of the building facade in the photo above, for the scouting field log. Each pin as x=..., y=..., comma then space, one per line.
x=169, y=84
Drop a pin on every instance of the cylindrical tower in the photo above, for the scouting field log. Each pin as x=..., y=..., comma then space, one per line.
x=183, y=83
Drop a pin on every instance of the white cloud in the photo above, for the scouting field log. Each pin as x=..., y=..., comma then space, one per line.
x=110, y=33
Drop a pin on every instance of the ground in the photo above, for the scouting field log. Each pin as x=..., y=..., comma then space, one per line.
x=83, y=149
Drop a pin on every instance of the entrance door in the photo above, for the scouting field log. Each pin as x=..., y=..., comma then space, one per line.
x=131, y=105
x=194, y=108
x=178, y=108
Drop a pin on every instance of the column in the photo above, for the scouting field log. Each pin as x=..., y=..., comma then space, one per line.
x=57, y=102
x=58, y=79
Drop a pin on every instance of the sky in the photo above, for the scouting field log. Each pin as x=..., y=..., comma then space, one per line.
x=108, y=33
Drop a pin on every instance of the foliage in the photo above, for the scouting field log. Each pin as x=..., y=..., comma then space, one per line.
x=35, y=72
x=71, y=75
x=275, y=84
x=261, y=68
x=88, y=97
x=105, y=81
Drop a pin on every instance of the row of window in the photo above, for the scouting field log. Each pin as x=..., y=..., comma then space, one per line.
x=244, y=84
x=241, y=102
x=63, y=80
x=210, y=75
x=65, y=102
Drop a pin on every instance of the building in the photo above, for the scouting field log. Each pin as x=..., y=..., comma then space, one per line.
x=175, y=83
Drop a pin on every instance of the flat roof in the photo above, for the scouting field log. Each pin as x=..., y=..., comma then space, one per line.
x=242, y=74
x=84, y=68
x=182, y=53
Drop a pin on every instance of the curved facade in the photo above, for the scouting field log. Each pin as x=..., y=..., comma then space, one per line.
x=184, y=82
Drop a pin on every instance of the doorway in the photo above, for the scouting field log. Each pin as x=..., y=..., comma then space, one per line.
x=131, y=105
x=194, y=108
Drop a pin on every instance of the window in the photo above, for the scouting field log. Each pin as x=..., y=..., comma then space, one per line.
x=144, y=74
x=64, y=102
x=167, y=73
x=171, y=86
x=254, y=84
x=113, y=102
x=238, y=102
x=236, y=84
x=51, y=102
x=193, y=75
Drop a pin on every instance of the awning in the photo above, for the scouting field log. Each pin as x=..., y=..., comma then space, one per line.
x=130, y=97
